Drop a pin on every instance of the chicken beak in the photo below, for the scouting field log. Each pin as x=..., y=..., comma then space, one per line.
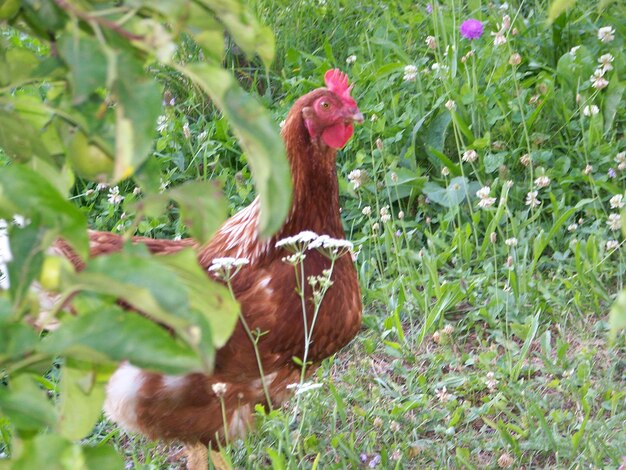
x=354, y=115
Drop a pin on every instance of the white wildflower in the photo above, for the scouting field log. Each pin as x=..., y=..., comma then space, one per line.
x=410, y=73
x=136, y=191
x=442, y=395
x=612, y=245
x=511, y=242
x=485, y=201
x=616, y=201
x=572, y=227
x=186, y=131
x=614, y=222
x=203, y=135
x=588, y=170
x=219, y=388
x=606, y=34
x=499, y=38
x=114, y=195
x=400, y=215
x=227, y=263
x=367, y=210
x=531, y=199
x=450, y=105
x=491, y=381
x=445, y=171
x=298, y=243
x=515, y=59
x=598, y=81
x=101, y=186
x=470, y=156
x=431, y=42
x=448, y=329
x=605, y=61
x=351, y=59
x=356, y=177
x=591, y=110
x=542, y=181
x=526, y=159
x=332, y=248
x=373, y=117
x=161, y=123
x=573, y=50
x=506, y=23
x=385, y=216
x=375, y=227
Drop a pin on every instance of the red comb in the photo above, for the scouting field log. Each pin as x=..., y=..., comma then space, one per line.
x=337, y=82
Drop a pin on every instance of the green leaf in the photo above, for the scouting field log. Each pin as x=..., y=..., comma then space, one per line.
x=248, y=33
x=24, y=192
x=80, y=401
x=102, y=457
x=27, y=248
x=213, y=301
x=453, y=195
x=259, y=138
x=26, y=405
x=112, y=334
x=49, y=451
x=612, y=100
x=558, y=7
x=493, y=161
x=617, y=317
x=137, y=109
x=16, y=340
x=19, y=138
x=206, y=31
x=203, y=209
x=87, y=63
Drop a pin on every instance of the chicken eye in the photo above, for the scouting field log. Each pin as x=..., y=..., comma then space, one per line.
x=325, y=104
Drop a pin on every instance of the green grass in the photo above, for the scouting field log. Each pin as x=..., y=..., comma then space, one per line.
x=474, y=352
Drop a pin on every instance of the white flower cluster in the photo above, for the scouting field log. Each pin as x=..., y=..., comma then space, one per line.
x=410, y=73
x=620, y=159
x=114, y=195
x=357, y=177
x=330, y=247
x=469, y=156
x=485, y=201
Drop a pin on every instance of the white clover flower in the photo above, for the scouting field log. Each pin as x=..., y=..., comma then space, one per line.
x=203, y=135
x=511, y=242
x=612, y=245
x=161, y=123
x=298, y=243
x=101, y=186
x=442, y=395
x=531, y=199
x=410, y=73
x=450, y=105
x=591, y=110
x=351, y=59
x=614, y=222
x=304, y=387
x=445, y=171
x=136, y=191
x=588, y=170
x=620, y=157
x=485, y=201
x=572, y=227
x=598, y=81
x=400, y=215
x=605, y=61
x=499, y=38
x=431, y=42
x=219, y=388
x=373, y=117
x=375, y=227
x=506, y=23
x=542, y=181
x=515, y=59
x=356, y=177
x=491, y=381
x=448, y=329
x=525, y=159
x=385, y=216
x=186, y=130
x=114, y=195
x=573, y=50
x=606, y=34
x=616, y=201
x=470, y=156
x=367, y=210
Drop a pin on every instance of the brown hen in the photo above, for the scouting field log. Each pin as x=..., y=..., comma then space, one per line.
x=188, y=407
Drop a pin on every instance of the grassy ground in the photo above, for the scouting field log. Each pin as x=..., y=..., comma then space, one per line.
x=484, y=341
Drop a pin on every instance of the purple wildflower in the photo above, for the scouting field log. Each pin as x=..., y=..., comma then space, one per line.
x=429, y=8
x=364, y=458
x=612, y=173
x=374, y=462
x=472, y=29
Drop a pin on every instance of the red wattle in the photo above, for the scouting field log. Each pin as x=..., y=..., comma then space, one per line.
x=338, y=135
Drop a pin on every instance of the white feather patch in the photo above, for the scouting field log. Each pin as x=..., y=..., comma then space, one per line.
x=122, y=393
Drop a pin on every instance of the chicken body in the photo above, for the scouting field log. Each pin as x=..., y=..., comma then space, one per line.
x=188, y=407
